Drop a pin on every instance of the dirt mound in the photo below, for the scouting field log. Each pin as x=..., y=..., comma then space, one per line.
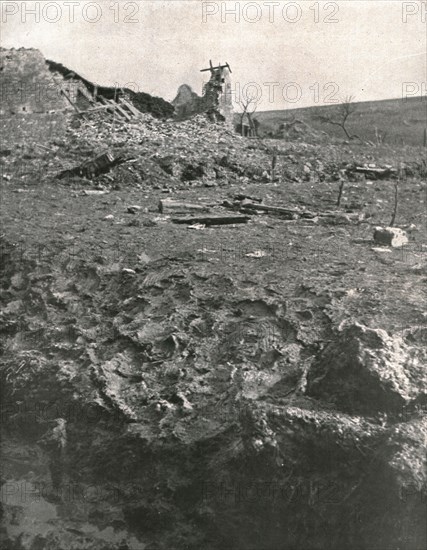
x=298, y=130
x=366, y=368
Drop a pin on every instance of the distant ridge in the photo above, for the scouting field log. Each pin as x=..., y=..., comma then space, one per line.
x=395, y=121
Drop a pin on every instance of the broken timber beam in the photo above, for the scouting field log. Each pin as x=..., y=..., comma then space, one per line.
x=291, y=213
x=93, y=109
x=375, y=172
x=121, y=110
x=212, y=220
x=93, y=168
x=67, y=97
x=111, y=104
x=130, y=107
x=169, y=205
x=247, y=206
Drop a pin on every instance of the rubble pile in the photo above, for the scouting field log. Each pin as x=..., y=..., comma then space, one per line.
x=199, y=152
x=170, y=155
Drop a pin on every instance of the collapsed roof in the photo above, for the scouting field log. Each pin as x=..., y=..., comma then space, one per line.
x=32, y=84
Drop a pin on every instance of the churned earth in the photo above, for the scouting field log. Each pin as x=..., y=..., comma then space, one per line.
x=255, y=386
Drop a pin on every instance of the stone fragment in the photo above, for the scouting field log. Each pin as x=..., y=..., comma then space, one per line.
x=390, y=236
x=133, y=209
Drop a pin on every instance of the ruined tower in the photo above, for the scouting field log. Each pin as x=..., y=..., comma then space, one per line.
x=217, y=92
x=216, y=100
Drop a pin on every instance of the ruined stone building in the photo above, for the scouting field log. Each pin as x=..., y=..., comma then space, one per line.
x=216, y=100
x=29, y=83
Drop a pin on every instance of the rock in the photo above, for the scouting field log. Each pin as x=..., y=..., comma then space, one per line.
x=149, y=223
x=134, y=209
x=18, y=281
x=144, y=258
x=390, y=236
x=366, y=371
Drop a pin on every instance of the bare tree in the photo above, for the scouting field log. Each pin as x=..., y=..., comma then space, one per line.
x=340, y=115
x=248, y=105
x=380, y=136
x=401, y=177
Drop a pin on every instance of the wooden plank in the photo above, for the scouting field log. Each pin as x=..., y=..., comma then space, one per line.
x=115, y=105
x=73, y=104
x=169, y=205
x=212, y=220
x=274, y=209
x=122, y=112
x=131, y=108
x=110, y=103
x=93, y=109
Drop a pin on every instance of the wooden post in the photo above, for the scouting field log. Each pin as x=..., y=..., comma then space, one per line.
x=63, y=92
x=425, y=137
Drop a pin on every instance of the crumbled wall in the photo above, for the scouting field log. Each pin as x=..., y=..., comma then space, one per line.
x=26, y=84
x=187, y=102
x=31, y=84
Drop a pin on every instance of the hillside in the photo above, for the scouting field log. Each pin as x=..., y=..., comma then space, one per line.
x=401, y=121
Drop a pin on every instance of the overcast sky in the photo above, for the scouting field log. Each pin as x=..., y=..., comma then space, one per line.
x=309, y=52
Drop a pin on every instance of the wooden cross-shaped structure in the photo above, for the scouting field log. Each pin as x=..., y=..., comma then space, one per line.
x=211, y=68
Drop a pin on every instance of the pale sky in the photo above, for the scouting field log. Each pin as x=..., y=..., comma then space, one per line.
x=367, y=49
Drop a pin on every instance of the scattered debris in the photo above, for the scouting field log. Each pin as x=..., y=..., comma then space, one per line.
x=247, y=206
x=390, y=236
x=123, y=108
x=92, y=168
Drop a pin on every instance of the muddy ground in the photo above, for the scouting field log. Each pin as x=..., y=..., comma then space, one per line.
x=241, y=387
